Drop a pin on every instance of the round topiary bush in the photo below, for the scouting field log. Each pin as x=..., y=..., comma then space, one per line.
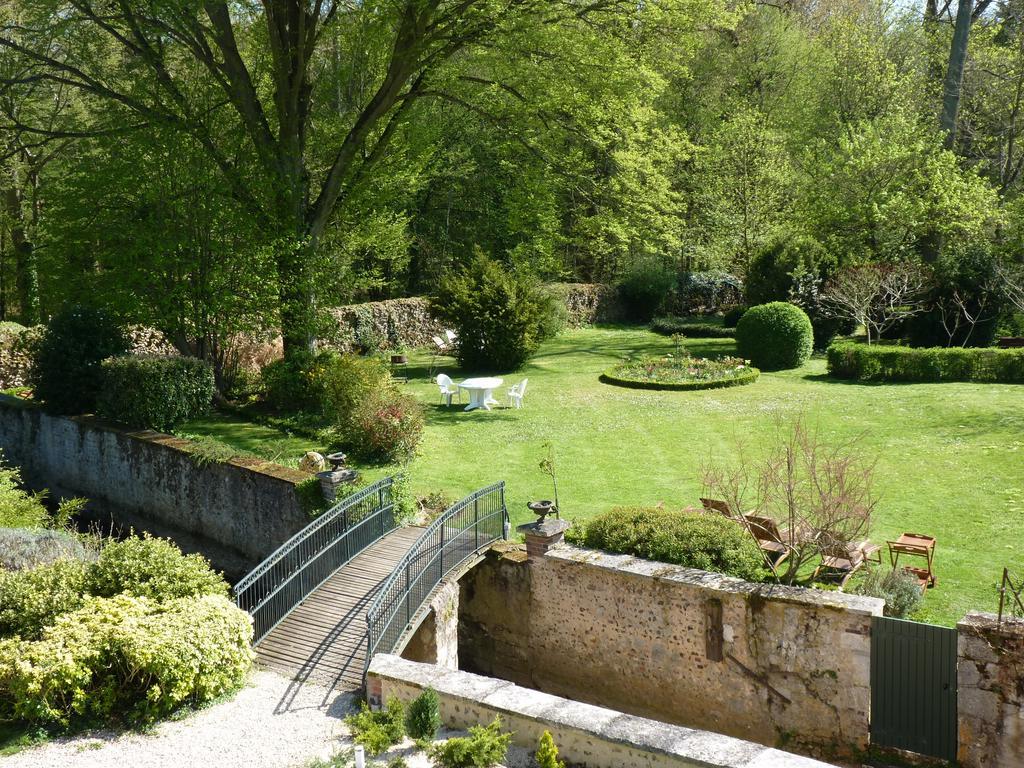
x=775, y=336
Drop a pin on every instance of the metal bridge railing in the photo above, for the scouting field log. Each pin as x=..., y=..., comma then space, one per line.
x=463, y=530
x=281, y=582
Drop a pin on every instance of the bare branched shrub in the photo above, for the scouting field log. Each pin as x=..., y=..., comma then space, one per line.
x=1012, y=279
x=877, y=296
x=819, y=497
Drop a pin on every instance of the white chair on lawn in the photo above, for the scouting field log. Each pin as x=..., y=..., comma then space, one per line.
x=448, y=388
x=451, y=336
x=516, y=394
x=440, y=348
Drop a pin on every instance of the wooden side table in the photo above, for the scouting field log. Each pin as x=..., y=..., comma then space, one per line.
x=915, y=545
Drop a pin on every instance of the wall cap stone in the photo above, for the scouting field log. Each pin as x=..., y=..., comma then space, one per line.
x=698, y=748
x=718, y=582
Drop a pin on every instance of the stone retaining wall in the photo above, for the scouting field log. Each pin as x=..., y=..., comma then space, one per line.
x=247, y=508
x=990, y=691
x=772, y=664
x=585, y=735
x=589, y=303
x=384, y=325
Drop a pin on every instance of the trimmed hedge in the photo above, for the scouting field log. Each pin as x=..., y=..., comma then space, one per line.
x=155, y=392
x=691, y=539
x=775, y=336
x=878, y=362
x=667, y=326
x=613, y=376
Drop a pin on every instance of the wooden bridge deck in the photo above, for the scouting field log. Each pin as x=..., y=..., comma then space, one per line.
x=324, y=639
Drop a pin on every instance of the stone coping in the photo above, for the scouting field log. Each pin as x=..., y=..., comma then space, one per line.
x=702, y=749
x=260, y=466
x=718, y=582
x=989, y=622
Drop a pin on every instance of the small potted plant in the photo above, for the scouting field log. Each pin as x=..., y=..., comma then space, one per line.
x=546, y=507
x=398, y=355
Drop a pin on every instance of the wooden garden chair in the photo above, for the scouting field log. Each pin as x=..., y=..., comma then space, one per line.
x=769, y=538
x=719, y=506
x=841, y=560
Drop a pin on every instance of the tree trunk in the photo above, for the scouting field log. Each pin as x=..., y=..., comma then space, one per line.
x=27, y=275
x=955, y=71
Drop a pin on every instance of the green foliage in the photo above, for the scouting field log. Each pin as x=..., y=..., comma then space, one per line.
x=900, y=590
x=154, y=568
x=644, y=288
x=19, y=508
x=732, y=315
x=423, y=718
x=705, y=292
x=32, y=599
x=691, y=539
x=386, y=426
x=501, y=316
x=485, y=747
x=669, y=325
x=347, y=380
x=547, y=752
x=311, y=497
x=155, y=392
x=26, y=548
x=66, y=372
x=206, y=451
x=378, y=731
x=128, y=657
x=773, y=272
x=775, y=336
x=881, y=362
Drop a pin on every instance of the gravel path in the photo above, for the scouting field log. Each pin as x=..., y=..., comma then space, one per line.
x=272, y=723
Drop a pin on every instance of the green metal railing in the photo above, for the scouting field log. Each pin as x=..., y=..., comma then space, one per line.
x=281, y=582
x=465, y=529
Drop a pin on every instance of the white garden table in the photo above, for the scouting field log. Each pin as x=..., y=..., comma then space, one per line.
x=481, y=392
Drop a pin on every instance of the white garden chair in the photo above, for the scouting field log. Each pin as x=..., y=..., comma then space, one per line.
x=516, y=394
x=451, y=336
x=440, y=348
x=448, y=388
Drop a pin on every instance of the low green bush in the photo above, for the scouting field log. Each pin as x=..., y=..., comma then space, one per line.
x=423, y=718
x=547, y=752
x=295, y=384
x=669, y=325
x=126, y=657
x=151, y=392
x=154, y=568
x=66, y=366
x=378, y=731
x=485, y=747
x=681, y=373
x=346, y=381
x=774, y=271
x=900, y=590
x=775, y=336
x=33, y=598
x=501, y=316
x=732, y=316
x=691, y=539
x=884, y=362
x=386, y=426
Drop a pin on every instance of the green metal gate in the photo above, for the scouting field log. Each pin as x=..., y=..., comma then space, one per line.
x=913, y=687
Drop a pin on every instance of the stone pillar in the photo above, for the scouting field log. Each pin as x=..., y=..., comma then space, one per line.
x=990, y=691
x=540, y=537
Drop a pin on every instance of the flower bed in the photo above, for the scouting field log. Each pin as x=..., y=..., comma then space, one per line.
x=681, y=373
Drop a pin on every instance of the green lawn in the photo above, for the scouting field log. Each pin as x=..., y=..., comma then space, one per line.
x=950, y=456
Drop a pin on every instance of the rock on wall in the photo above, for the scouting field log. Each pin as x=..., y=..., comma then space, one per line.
x=990, y=691
x=772, y=664
x=247, y=507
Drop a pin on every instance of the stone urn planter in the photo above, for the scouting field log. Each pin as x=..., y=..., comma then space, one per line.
x=542, y=509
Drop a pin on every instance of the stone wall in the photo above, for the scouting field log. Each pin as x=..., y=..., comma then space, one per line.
x=990, y=691
x=589, y=303
x=246, y=508
x=586, y=735
x=771, y=664
x=383, y=324
x=436, y=640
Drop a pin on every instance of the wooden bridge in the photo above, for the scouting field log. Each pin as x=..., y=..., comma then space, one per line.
x=349, y=584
